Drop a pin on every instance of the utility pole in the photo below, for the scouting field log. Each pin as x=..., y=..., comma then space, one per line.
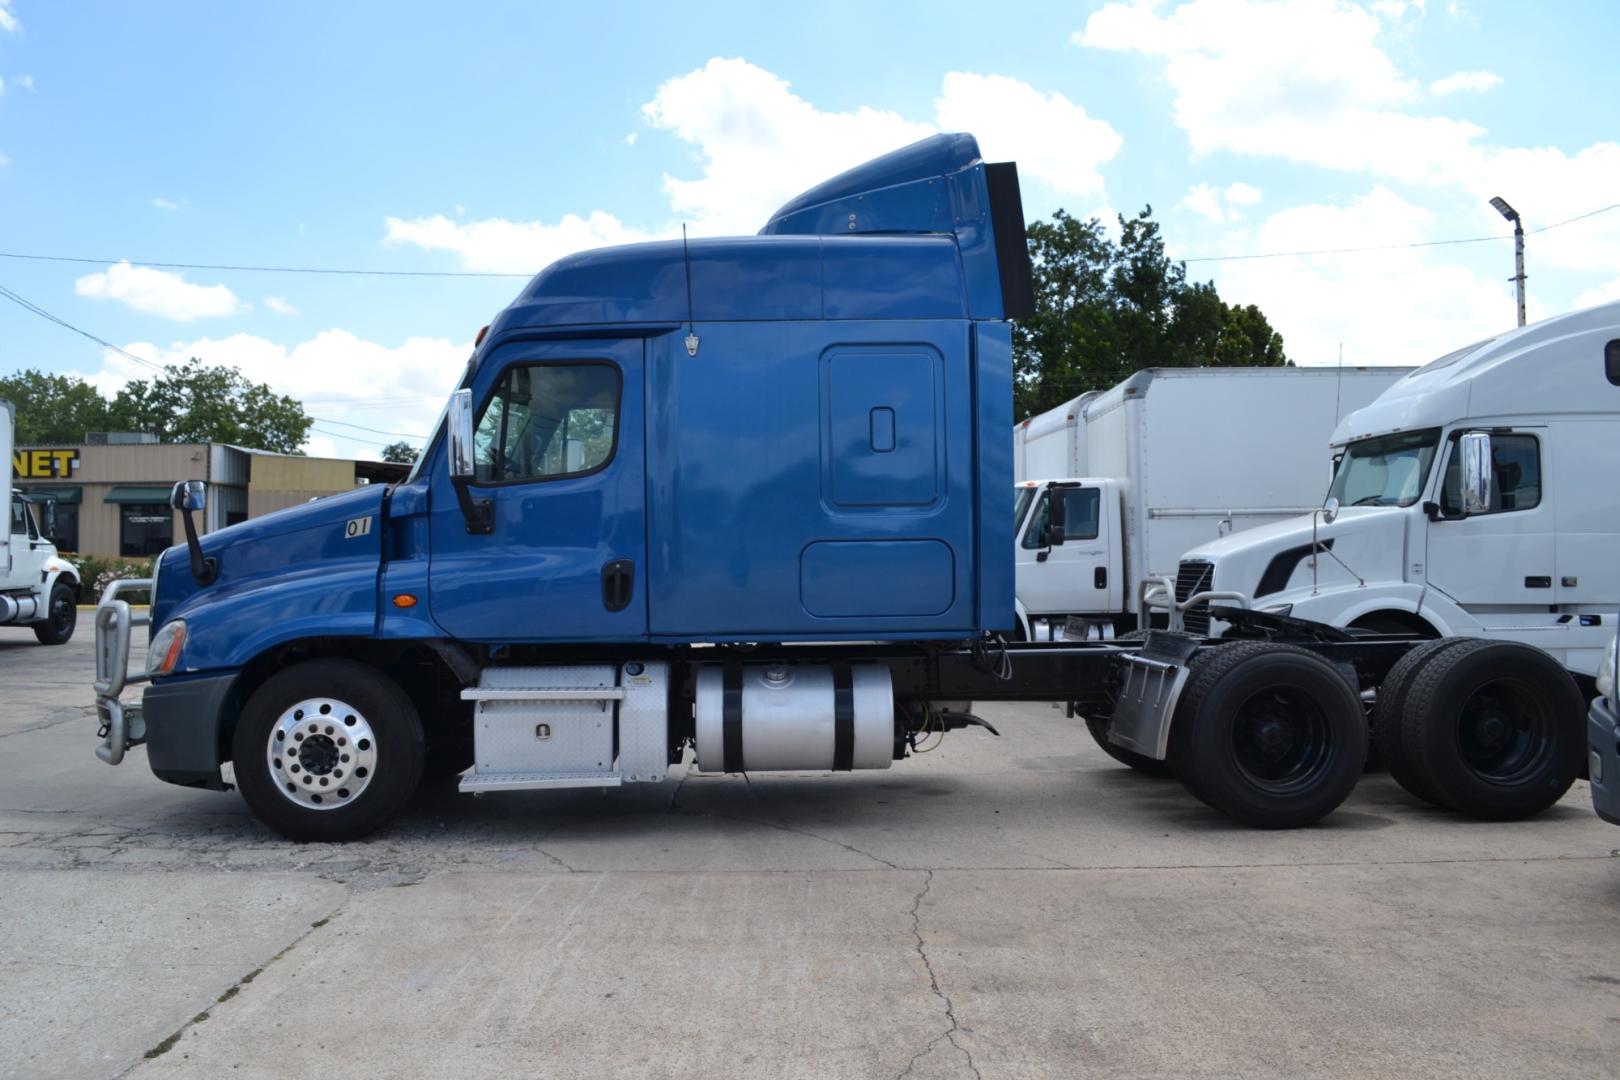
x=1518, y=248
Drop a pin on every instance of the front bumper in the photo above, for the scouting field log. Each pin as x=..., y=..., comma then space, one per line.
x=1603, y=742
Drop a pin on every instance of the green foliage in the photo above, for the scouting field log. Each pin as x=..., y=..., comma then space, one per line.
x=53, y=408
x=196, y=402
x=402, y=453
x=1104, y=310
x=190, y=402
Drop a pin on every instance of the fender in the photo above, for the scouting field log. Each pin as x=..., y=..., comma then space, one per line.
x=59, y=569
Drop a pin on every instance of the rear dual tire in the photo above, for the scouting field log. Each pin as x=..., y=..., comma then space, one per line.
x=1270, y=735
x=1494, y=730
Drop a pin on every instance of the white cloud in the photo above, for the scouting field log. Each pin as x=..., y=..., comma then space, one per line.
x=4, y=161
x=759, y=143
x=1305, y=80
x=1599, y=294
x=165, y=204
x=8, y=21
x=279, y=305
x=158, y=292
x=1388, y=307
x=630, y=139
x=1241, y=194
x=1204, y=201
x=343, y=379
x=496, y=245
x=1052, y=139
x=25, y=81
x=1474, y=81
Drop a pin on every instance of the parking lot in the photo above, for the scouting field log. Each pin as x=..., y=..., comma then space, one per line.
x=1004, y=907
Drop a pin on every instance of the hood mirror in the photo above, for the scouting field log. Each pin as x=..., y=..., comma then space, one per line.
x=1330, y=510
x=188, y=497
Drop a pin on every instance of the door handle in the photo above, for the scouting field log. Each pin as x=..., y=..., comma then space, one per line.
x=1099, y=578
x=618, y=584
x=1538, y=582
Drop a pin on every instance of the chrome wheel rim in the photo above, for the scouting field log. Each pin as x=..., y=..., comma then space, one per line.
x=322, y=754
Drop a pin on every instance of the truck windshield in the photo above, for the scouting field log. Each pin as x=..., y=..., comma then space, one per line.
x=1387, y=471
x=1026, y=495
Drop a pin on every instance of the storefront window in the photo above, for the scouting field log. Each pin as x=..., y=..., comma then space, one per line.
x=145, y=529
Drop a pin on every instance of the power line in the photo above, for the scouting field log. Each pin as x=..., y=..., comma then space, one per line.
x=33, y=308
x=1395, y=247
x=353, y=271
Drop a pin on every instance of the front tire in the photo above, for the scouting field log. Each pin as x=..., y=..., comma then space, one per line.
x=1270, y=735
x=61, y=616
x=327, y=750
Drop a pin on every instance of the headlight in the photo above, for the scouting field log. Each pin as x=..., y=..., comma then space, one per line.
x=164, y=652
x=1605, y=675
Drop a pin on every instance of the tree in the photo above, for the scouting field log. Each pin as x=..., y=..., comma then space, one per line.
x=1104, y=310
x=402, y=453
x=53, y=408
x=196, y=402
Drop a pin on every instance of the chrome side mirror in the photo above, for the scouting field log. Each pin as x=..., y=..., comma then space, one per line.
x=459, y=427
x=1330, y=510
x=1474, y=471
x=189, y=495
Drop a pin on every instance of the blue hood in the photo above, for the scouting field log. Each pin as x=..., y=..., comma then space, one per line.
x=278, y=548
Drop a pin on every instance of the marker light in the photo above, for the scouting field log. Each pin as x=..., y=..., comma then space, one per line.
x=479, y=340
x=405, y=600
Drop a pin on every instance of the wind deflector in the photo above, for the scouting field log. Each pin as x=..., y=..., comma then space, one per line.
x=1012, y=244
x=936, y=186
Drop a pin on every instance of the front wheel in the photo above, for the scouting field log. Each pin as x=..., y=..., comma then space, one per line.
x=327, y=750
x=61, y=616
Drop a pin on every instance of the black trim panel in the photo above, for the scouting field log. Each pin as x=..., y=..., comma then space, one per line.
x=1012, y=244
x=185, y=729
x=1282, y=567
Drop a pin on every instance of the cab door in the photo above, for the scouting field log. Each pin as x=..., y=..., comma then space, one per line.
x=1074, y=577
x=558, y=439
x=1504, y=557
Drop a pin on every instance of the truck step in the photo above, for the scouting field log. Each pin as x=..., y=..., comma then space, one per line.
x=527, y=781
x=543, y=693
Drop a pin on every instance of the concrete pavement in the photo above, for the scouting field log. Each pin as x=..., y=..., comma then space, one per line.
x=1011, y=907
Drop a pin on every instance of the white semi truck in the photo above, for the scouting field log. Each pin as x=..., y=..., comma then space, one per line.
x=1471, y=498
x=1160, y=463
x=38, y=587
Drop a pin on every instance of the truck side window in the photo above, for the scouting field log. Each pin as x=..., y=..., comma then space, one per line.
x=1082, y=507
x=547, y=421
x=19, y=517
x=1515, y=476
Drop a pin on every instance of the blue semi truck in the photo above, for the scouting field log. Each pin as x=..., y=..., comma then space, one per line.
x=748, y=500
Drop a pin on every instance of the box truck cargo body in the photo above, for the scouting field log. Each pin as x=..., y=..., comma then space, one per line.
x=1167, y=460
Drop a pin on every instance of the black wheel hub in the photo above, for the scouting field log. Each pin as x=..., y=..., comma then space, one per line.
x=1280, y=740
x=1504, y=732
x=318, y=754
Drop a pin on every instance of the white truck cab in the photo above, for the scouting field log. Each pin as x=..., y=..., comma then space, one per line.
x=38, y=587
x=1467, y=500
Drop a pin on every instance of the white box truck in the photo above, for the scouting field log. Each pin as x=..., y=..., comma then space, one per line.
x=1162, y=462
x=1470, y=499
x=38, y=587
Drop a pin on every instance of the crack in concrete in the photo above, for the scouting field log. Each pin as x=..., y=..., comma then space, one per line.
x=949, y=1034
x=226, y=995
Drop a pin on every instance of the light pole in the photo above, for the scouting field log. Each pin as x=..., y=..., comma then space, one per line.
x=1518, y=248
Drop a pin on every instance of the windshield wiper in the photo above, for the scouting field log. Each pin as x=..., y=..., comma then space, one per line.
x=1370, y=500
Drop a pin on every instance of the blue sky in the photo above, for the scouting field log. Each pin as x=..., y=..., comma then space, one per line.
x=495, y=137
